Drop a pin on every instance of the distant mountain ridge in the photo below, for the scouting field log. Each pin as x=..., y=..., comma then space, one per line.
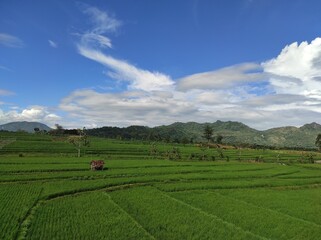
x=24, y=126
x=232, y=132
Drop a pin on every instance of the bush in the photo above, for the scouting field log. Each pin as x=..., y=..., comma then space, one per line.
x=192, y=156
x=220, y=153
x=173, y=154
x=203, y=157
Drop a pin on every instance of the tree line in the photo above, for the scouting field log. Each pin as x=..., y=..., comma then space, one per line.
x=169, y=136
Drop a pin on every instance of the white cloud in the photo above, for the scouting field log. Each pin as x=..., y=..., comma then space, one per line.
x=121, y=70
x=223, y=78
x=281, y=91
x=52, y=44
x=296, y=70
x=102, y=23
x=33, y=113
x=141, y=108
x=126, y=108
x=93, y=41
x=8, y=40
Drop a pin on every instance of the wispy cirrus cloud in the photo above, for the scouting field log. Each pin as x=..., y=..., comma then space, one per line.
x=121, y=70
x=5, y=68
x=102, y=23
x=93, y=42
x=92, y=39
x=8, y=40
x=6, y=92
x=52, y=44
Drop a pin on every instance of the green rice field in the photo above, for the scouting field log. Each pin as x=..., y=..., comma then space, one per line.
x=48, y=193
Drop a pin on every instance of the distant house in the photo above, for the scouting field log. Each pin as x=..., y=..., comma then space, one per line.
x=97, y=165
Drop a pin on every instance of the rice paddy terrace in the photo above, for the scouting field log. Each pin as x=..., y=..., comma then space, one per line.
x=146, y=193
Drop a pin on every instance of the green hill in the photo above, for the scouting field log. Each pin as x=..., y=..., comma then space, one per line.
x=232, y=132
x=192, y=132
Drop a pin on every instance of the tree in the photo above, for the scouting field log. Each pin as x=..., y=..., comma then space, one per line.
x=58, y=131
x=318, y=141
x=167, y=138
x=219, y=139
x=208, y=133
x=185, y=140
x=79, y=142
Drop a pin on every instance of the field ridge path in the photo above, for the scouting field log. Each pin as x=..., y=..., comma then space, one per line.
x=266, y=208
x=25, y=222
x=96, y=189
x=214, y=216
x=130, y=216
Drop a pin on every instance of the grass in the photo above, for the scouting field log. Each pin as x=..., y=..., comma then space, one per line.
x=50, y=194
x=16, y=201
x=255, y=218
x=298, y=203
x=174, y=220
x=90, y=216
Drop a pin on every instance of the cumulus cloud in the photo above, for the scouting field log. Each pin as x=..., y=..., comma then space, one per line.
x=33, y=113
x=296, y=70
x=126, y=108
x=8, y=40
x=151, y=109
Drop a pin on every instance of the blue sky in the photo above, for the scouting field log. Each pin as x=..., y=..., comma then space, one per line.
x=122, y=62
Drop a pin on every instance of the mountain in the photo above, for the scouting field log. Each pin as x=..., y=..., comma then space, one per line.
x=24, y=126
x=311, y=127
x=232, y=132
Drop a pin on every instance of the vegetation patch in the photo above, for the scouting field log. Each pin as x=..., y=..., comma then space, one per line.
x=155, y=191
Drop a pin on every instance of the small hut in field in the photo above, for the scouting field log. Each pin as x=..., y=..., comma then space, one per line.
x=97, y=165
